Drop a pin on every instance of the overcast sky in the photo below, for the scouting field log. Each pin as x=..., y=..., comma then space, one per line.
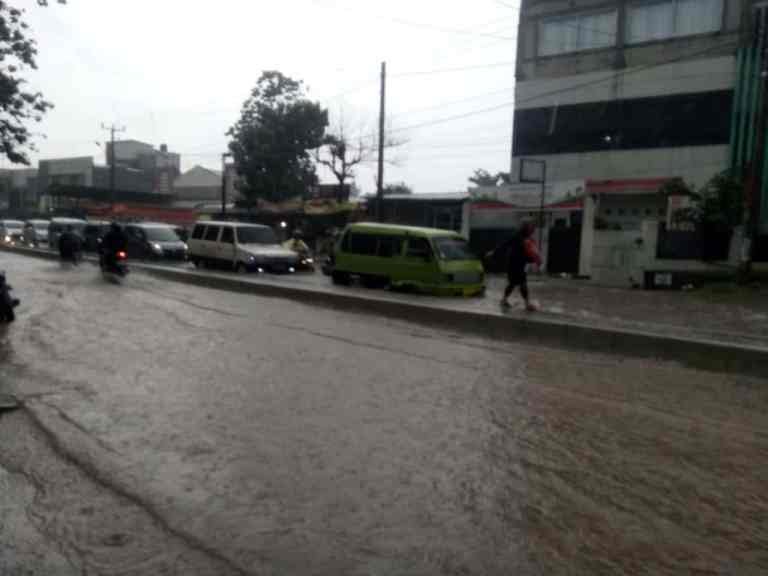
x=177, y=71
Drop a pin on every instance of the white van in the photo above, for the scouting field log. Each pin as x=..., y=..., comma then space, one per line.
x=239, y=246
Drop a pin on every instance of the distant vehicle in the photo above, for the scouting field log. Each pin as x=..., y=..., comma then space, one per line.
x=58, y=225
x=241, y=247
x=423, y=259
x=182, y=233
x=36, y=232
x=154, y=241
x=11, y=231
x=93, y=232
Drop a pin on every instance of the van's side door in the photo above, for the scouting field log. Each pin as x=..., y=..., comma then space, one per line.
x=211, y=242
x=226, y=247
x=419, y=264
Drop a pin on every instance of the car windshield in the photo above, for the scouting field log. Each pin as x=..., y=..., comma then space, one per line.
x=161, y=234
x=41, y=226
x=255, y=235
x=13, y=225
x=450, y=248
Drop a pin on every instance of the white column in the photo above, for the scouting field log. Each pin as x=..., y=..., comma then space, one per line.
x=587, y=237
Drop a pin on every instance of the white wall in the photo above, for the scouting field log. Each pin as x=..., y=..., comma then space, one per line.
x=694, y=164
x=688, y=77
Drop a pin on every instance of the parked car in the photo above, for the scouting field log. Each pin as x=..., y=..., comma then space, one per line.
x=11, y=231
x=154, y=241
x=241, y=247
x=36, y=232
x=93, y=232
x=424, y=259
x=58, y=225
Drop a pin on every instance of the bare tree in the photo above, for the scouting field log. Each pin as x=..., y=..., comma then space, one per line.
x=341, y=153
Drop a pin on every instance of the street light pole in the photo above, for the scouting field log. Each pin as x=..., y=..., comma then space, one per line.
x=224, y=157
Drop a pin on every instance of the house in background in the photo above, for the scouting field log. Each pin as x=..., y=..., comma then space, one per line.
x=159, y=165
x=201, y=186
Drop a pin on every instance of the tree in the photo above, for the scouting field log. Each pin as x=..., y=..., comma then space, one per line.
x=17, y=105
x=397, y=188
x=341, y=154
x=484, y=178
x=272, y=140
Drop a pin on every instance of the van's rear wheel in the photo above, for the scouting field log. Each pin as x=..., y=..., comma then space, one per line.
x=341, y=278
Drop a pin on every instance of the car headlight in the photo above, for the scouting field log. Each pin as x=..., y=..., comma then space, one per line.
x=186, y=246
x=7, y=238
x=252, y=258
x=309, y=260
x=156, y=248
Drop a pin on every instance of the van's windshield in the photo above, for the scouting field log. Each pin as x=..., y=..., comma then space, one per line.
x=451, y=248
x=255, y=235
x=161, y=234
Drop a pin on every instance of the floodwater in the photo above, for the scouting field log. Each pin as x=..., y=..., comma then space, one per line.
x=294, y=440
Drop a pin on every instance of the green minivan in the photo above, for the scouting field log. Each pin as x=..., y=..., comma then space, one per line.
x=406, y=257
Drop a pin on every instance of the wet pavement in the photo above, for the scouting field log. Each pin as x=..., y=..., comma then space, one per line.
x=720, y=312
x=199, y=431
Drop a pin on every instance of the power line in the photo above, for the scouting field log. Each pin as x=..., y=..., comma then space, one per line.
x=564, y=90
x=423, y=25
x=454, y=69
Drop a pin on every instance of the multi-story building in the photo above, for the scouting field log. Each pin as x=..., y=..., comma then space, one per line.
x=627, y=89
x=161, y=166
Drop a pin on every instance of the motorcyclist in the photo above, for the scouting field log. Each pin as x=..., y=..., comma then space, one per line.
x=70, y=245
x=114, y=241
x=297, y=244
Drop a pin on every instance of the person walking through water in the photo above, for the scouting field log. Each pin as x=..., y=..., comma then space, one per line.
x=521, y=250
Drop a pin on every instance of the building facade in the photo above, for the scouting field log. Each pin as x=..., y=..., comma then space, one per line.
x=622, y=89
x=159, y=166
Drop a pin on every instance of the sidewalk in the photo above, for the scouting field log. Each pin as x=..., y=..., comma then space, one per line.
x=720, y=312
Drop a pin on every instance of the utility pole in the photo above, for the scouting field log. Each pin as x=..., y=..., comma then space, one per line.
x=754, y=191
x=382, y=115
x=224, y=157
x=111, y=158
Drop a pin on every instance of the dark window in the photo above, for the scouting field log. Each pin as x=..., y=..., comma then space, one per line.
x=648, y=211
x=363, y=244
x=419, y=248
x=345, y=242
x=197, y=233
x=658, y=122
x=662, y=211
x=621, y=211
x=227, y=235
x=608, y=211
x=635, y=212
x=390, y=246
x=212, y=233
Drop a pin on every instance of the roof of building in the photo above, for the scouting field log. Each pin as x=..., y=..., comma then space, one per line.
x=436, y=197
x=198, y=177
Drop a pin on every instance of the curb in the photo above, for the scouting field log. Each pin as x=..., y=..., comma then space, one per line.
x=697, y=353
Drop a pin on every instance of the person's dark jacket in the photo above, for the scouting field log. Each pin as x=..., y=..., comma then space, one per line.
x=113, y=242
x=520, y=251
x=69, y=244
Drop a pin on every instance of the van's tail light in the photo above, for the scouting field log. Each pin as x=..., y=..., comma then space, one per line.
x=122, y=255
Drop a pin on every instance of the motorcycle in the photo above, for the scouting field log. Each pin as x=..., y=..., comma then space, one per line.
x=115, y=268
x=7, y=302
x=306, y=262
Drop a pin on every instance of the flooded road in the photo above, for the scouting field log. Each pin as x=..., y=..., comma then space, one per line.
x=284, y=439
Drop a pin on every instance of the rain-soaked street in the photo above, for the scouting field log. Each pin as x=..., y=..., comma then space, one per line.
x=170, y=429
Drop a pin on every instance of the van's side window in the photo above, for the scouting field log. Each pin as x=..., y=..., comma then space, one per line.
x=418, y=248
x=390, y=246
x=212, y=233
x=345, y=242
x=364, y=244
x=227, y=235
x=197, y=233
